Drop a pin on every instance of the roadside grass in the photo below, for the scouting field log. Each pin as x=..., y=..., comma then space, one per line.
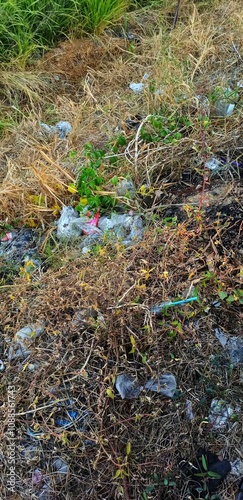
x=137, y=444
x=27, y=25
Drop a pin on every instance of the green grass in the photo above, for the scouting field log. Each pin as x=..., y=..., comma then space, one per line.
x=26, y=25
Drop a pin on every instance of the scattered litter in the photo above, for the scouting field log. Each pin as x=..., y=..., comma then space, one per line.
x=220, y=413
x=91, y=225
x=133, y=122
x=60, y=466
x=62, y=128
x=189, y=412
x=165, y=385
x=2, y=367
x=127, y=387
x=81, y=318
x=129, y=36
x=224, y=102
x=158, y=308
x=206, y=473
x=30, y=451
x=232, y=345
x=91, y=240
x=71, y=416
x=160, y=91
x=237, y=468
x=23, y=340
x=36, y=434
x=71, y=226
x=20, y=247
x=42, y=484
x=128, y=228
x=138, y=88
x=37, y=477
x=213, y=164
x=216, y=164
x=203, y=102
x=7, y=237
x=126, y=188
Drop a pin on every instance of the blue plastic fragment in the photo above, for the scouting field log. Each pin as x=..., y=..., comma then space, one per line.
x=158, y=308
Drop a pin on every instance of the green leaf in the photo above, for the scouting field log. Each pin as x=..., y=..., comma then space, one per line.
x=144, y=358
x=144, y=495
x=231, y=298
x=128, y=448
x=222, y=295
x=214, y=474
x=118, y=473
x=110, y=393
x=204, y=462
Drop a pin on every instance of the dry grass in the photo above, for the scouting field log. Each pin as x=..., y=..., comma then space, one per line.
x=79, y=359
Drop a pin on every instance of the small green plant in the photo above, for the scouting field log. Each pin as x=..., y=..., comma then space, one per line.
x=91, y=180
x=223, y=94
x=167, y=129
x=94, y=184
x=166, y=482
x=234, y=296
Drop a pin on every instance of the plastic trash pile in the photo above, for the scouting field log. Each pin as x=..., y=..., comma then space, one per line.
x=127, y=228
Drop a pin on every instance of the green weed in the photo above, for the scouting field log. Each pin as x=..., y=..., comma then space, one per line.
x=234, y=296
x=167, y=129
x=94, y=184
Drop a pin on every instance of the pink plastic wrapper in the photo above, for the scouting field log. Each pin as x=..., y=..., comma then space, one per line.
x=7, y=237
x=91, y=224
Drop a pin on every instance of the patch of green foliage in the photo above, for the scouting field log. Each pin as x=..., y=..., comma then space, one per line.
x=93, y=179
x=167, y=129
x=26, y=25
